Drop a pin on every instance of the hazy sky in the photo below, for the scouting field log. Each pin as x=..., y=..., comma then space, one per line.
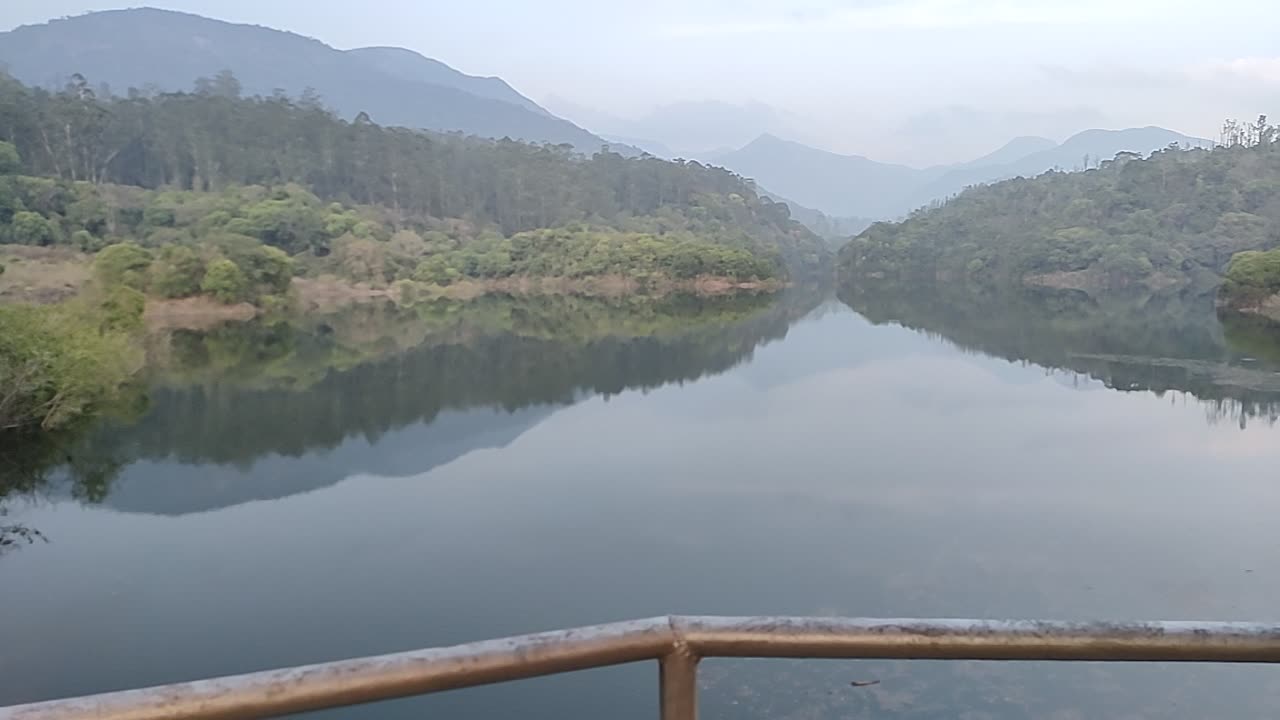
x=908, y=80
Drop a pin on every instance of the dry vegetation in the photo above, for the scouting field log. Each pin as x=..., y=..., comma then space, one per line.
x=41, y=274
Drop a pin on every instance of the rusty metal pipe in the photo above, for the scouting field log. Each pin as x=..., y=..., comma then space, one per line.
x=981, y=639
x=350, y=682
x=678, y=684
x=679, y=642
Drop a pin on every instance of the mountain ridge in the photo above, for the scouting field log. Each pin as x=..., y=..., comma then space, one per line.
x=856, y=186
x=167, y=50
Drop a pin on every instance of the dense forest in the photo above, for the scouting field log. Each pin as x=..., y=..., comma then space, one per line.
x=1174, y=218
x=212, y=194
x=281, y=168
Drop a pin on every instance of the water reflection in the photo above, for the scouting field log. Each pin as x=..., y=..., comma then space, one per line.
x=849, y=468
x=267, y=409
x=1163, y=342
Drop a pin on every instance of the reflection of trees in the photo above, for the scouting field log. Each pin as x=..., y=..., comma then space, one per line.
x=1159, y=343
x=35, y=461
x=235, y=394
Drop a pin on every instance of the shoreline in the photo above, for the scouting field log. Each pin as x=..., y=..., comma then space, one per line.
x=329, y=293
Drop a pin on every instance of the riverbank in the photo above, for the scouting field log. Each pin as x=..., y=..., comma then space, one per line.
x=330, y=291
x=44, y=276
x=1268, y=307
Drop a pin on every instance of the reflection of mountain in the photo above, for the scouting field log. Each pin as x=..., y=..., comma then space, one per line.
x=407, y=411
x=1159, y=343
x=149, y=488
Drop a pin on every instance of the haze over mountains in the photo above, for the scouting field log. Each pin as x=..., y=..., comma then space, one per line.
x=836, y=195
x=852, y=185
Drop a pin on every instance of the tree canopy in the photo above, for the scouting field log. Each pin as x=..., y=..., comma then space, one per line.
x=316, y=171
x=1176, y=217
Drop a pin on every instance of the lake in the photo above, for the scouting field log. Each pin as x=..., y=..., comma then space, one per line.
x=381, y=480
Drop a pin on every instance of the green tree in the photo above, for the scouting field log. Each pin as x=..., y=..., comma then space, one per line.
x=225, y=281
x=437, y=271
x=57, y=364
x=10, y=160
x=1252, y=277
x=123, y=264
x=121, y=309
x=29, y=228
x=177, y=273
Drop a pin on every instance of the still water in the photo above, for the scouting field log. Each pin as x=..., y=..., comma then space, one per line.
x=376, y=481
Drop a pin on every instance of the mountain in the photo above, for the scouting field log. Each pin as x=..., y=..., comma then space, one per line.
x=167, y=51
x=684, y=219
x=652, y=147
x=1096, y=145
x=1177, y=219
x=692, y=130
x=855, y=186
x=842, y=185
x=409, y=65
x=1012, y=151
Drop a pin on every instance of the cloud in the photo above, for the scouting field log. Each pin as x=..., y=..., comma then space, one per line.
x=1256, y=71
x=924, y=15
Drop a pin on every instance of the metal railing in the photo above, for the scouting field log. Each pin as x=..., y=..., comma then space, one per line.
x=677, y=643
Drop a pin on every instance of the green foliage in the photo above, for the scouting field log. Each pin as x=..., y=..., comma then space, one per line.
x=159, y=216
x=436, y=271
x=1177, y=217
x=215, y=150
x=29, y=228
x=121, y=308
x=57, y=364
x=580, y=252
x=177, y=272
x=10, y=160
x=1252, y=277
x=123, y=264
x=225, y=281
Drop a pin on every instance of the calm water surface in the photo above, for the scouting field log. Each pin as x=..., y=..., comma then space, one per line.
x=356, y=486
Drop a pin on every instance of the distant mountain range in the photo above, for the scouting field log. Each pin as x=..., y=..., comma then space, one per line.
x=849, y=185
x=833, y=194
x=689, y=129
x=168, y=50
x=857, y=187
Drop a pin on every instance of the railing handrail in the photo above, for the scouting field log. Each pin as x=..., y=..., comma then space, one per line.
x=678, y=643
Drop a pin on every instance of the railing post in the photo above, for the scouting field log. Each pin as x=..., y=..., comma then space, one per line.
x=678, y=677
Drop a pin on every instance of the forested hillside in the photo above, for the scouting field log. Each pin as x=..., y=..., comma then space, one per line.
x=1175, y=218
x=458, y=206
x=163, y=51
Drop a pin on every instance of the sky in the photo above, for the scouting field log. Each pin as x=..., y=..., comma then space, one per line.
x=911, y=81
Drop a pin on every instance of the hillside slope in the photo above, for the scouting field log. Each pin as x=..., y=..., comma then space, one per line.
x=842, y=185
x=283, y=173
x=167, y=50
x=1176, y=218
x=1090, y=146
